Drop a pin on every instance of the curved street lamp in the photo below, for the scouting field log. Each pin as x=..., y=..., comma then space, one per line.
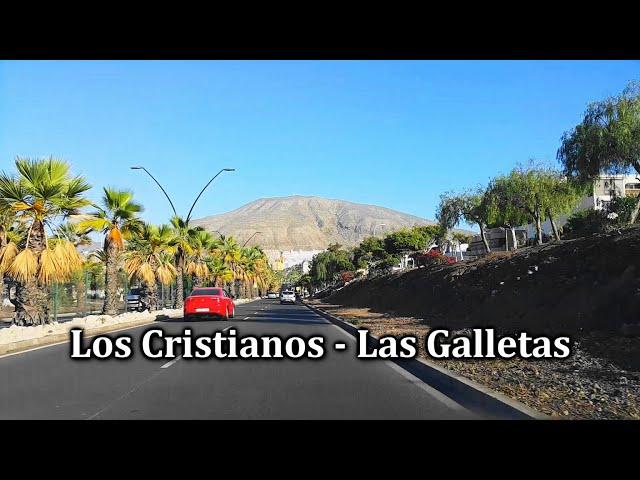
x=250, y=238
x=205, y=187
x=139, y=167
x=376, y=226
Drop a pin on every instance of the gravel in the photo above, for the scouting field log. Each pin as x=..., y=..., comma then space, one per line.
x=598, y=381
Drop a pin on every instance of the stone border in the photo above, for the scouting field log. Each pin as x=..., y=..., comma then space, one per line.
x=471, y=395
x=23, y=345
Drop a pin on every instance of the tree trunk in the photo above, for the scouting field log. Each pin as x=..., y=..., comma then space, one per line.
x=81, y=293
x=484, y=238
x=32, y=303
x=635, y=212
x=196, y=281
x=152, y=295
x=554, y=227
x=112, y=253
x=179, y=280
x=538, y=230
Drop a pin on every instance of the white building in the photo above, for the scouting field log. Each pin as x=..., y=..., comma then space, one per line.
x=605, y=188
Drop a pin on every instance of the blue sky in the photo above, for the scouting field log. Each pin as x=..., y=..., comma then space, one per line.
x=390, y=133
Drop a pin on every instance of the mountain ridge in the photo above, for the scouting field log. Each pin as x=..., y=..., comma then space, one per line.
x=307, y=222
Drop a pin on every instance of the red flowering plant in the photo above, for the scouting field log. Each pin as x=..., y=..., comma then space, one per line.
x=432, y=257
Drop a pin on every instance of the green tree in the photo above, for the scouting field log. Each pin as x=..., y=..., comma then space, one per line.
x=117, y=218
x=184, y=237
x=42, y=193
x=503, y=210
x=607, y=140
x=149, y=258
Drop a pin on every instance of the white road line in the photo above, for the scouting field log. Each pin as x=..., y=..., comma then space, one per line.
x=168, y=364
x=246, y=318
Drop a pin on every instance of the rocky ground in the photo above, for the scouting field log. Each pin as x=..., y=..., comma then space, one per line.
x=599, y=381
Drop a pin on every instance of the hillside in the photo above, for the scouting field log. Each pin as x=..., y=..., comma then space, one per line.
x=306, y=223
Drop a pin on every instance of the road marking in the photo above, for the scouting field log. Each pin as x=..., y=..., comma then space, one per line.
x=449, y=402
x=168, y=364
x=246, y=318
x=225, y=329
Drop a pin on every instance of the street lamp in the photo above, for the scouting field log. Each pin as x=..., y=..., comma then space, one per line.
x=205, y=187
x=250, y=238
x=376, y=226
x=138, y=167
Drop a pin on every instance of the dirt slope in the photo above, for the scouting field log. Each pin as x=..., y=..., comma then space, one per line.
x=583, y=284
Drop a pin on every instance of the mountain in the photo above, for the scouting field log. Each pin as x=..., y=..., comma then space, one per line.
x=305, y=223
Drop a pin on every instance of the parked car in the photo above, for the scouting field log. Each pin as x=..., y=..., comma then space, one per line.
x=209, y=302
x=272, y=295
x=136, y=300
x=287, y=296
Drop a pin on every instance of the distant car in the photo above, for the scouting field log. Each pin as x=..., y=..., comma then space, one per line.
x=272, y=295
x=209, y=302
x=135, y=300
x=287, y=296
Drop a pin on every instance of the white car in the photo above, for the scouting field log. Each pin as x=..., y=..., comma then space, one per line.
x=272, y=295
x=287, y=296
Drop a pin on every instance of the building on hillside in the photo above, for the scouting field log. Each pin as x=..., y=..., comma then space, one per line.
x=605, y=189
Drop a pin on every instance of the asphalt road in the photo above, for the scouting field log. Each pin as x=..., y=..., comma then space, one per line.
x=47, y=384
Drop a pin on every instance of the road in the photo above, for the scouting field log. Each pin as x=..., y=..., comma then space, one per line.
x=46, y=384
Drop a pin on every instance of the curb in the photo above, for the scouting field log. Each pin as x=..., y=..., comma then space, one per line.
x=22, y=345
x=469, y=394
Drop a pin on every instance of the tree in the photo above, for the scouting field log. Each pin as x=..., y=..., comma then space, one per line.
x=412, y=239
x=475, y=208
x=607, y=140
x=202, y=245
x=183, y=239
x=149, y=258
x=117, y=219
x=561, y=195
x=230, y=253
x=42, y=193
x=503, y=210
x=448, y=214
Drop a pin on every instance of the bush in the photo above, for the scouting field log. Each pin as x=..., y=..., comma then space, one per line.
x=585, y=222
x=432, y=257
x=623, y=208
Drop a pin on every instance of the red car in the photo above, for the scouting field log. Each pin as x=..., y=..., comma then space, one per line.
x=209, y=301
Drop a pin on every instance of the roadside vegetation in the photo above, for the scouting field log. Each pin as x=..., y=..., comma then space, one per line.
x=582, y=281
x=43, y=221
x=606, y=141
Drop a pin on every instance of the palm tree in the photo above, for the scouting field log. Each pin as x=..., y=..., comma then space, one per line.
x=230, y=252
x=42, y=193
x=149, y=258
x=218, y=270
x=184, y=238
x=77, y=236
x=203, y=245
x=118, y=220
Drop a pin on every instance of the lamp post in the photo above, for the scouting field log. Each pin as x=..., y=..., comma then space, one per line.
x=180, y=295
x=250, y=238
x=138, y=167
x=204, y=188
x=376, y=226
